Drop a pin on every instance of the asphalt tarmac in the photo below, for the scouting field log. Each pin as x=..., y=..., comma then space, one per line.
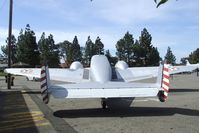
x=22, y=110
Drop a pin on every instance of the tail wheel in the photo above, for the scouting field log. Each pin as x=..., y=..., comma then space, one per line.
x=161, y=96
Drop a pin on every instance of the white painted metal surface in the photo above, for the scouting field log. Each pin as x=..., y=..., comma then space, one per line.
x=99, y=64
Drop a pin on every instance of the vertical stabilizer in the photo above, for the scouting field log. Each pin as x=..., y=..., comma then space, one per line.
x=45, y=84
x=163, y=93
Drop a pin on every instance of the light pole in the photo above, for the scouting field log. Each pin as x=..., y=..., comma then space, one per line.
x=9, y=42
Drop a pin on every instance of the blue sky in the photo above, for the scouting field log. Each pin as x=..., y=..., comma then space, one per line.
x=175, y=24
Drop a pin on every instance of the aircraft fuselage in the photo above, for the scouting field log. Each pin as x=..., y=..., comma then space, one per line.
x=101, y=72
x=100, y=69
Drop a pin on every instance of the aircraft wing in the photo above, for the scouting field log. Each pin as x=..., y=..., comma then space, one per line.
x=104, y=90
x=179, y=69
x=139, y=73
x=136, y=73
x=29, y=72
x=65, y=75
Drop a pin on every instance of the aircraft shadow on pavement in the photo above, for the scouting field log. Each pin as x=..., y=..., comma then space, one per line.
x=183, y=90
x=127, y=112
x=14, y=114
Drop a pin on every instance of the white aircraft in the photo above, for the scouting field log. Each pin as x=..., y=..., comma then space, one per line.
x=112, y=85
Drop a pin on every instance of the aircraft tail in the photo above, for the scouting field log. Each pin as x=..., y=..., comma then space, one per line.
x=45, y=83
x=163, y=81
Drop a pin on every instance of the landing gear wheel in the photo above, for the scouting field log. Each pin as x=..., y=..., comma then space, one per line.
x=103, y=104
x=161, y=96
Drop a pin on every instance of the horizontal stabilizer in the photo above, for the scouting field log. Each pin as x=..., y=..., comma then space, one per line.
x=106, y=90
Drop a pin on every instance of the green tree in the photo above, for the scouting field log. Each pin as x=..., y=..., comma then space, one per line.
x=27, y=48
x=138, y=54
x=70, y=51
x=77, y=54
x=90, y=50
x=183, y=61
x=154, y=57
x=112, y=60
x=66, y=52
x=124, y=48
x=150, y=54
x=4, y=49
x=170, y=57
x=194, y=56
x=49, y=52
x=99, y=46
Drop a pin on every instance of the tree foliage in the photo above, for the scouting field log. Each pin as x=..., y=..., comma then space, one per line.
x=70, y=51
x=150, y=54
x=77, y=54
x=27, y=49
x=90, y=50
x=66, y=52
x=124, y=48
x=4, y=49
x=113, y=60
x=170, y=57
x=183, y=61
x=48, y=51
x=138, y=53
x=99, y=46
x=194, y=56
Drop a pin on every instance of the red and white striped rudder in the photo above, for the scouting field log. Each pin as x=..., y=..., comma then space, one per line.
x=44, y=84
x=163, y=94
x=165, y=81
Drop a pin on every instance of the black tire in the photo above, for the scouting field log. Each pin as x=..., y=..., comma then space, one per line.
x=161, y=96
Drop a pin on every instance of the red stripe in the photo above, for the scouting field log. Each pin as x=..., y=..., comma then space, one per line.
x=44, y=92
x=165, y=97
x=167, y=91
x=43, y=85
x=165, y=76
x=167, y=84
x=45, y=97
x=166, y=69
x=43, y=78
x=43, y=71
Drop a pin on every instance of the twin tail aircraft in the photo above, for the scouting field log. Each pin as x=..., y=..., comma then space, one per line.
x=100, y=80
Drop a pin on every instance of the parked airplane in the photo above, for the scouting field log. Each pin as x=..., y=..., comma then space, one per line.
x=112, y=85
x=100, y=82
x=77, y=74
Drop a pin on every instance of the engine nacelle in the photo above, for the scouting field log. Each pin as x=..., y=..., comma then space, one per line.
x=121, y=65
x=76, y=65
